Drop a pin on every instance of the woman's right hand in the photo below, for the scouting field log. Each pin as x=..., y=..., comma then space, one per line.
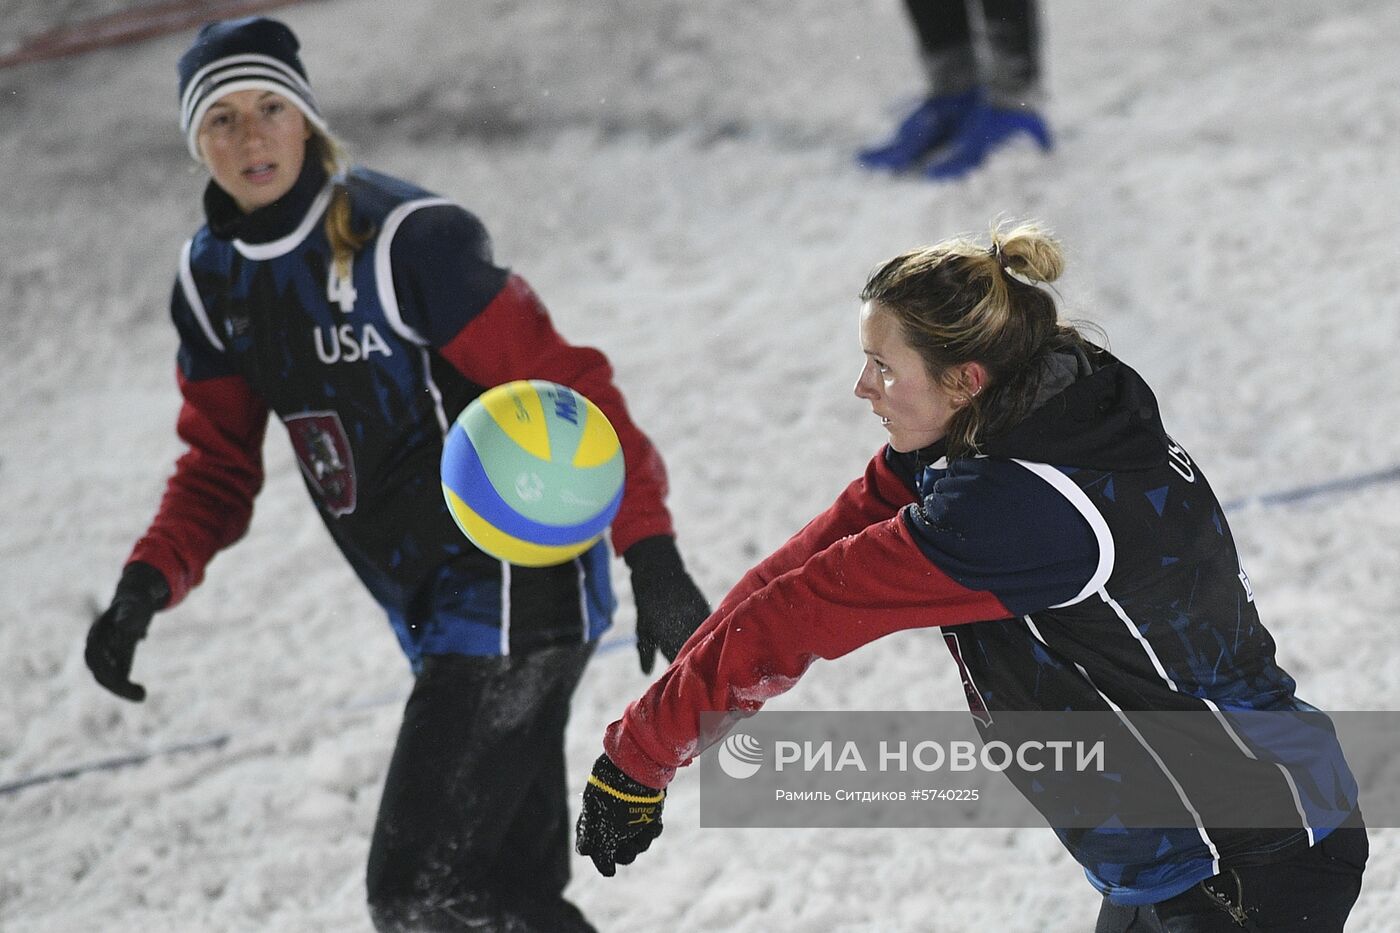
x=618, y=819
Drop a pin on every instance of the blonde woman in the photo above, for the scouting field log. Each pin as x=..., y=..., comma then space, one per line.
x=365, y=313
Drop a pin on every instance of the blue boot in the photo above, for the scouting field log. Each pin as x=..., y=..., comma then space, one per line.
x=932, y=124
x=986, y=129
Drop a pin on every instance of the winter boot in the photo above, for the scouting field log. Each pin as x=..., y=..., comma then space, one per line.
x=986, y=129
x=931, y=124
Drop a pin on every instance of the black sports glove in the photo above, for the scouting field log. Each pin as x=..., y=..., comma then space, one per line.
x=670, y=607
x=619, y=817
x=111, y=642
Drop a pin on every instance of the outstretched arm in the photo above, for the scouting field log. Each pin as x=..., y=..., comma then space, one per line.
x=756, y=650
x=861, y=588
x=994, y=540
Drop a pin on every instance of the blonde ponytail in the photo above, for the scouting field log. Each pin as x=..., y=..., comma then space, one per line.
x=344, y=239
x=1029, y=252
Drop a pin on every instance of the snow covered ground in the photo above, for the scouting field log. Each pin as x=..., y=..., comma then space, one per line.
x=675, y=179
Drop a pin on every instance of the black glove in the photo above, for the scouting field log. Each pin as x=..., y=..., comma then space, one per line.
x=670, y=607
x=619, y=817
x=111, y=642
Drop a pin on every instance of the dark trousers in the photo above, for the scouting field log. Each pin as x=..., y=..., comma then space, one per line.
x=1010, y=63
x=1310, y=893
x=473, y=826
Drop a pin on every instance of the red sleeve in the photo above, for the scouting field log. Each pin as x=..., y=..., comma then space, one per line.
x=874, y=497
x=208, y=502
x=513, y=338
x=859, y=589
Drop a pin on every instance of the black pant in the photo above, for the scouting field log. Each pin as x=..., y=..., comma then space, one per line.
x=1009, y=66
x=1310, y=893
x=473, y=827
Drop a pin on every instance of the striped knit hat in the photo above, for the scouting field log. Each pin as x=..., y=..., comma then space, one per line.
x=254, y=53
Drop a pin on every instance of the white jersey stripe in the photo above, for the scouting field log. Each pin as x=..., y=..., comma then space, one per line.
x=196, y=303
x=284, y=245
x=1118, y=711
x=1138, y=636
x=439, y=408
x=383, y=269
x=582, y=597
x=1219, y=715
x=1071, y=491
x=505, y=608
x=1180, y=791
x=1297, y=802
x=1249, y=753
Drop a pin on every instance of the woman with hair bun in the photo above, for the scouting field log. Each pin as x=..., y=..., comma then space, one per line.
x=1032, y=505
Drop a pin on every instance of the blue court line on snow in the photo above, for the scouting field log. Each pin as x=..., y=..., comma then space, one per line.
x=610, y=645
x=113, y=764
x=1303, y=493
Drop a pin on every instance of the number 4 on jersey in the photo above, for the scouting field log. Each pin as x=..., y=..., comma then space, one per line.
x=340, y=289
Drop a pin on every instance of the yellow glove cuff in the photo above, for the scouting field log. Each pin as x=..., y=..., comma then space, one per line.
x=625, y=798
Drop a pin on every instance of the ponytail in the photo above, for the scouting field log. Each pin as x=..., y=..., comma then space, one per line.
x=345, y=241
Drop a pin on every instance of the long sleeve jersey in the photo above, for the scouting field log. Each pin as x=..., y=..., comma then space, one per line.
x=366, y=372
x=1082, y=564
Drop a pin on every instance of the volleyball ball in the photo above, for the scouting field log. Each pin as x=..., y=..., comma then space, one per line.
x=532, y=472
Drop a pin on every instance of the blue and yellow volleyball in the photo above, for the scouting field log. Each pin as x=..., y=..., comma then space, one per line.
x=532, y=472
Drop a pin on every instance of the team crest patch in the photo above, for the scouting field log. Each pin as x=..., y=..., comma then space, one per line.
x=323, y=451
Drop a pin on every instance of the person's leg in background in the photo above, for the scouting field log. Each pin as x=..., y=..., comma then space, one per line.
x=945, y=48
x=1011, y=99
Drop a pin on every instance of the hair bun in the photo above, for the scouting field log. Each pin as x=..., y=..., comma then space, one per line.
x=1028, y=251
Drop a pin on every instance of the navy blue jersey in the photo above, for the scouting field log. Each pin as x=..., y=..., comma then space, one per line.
x=366, y=372
x=1129, y=596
